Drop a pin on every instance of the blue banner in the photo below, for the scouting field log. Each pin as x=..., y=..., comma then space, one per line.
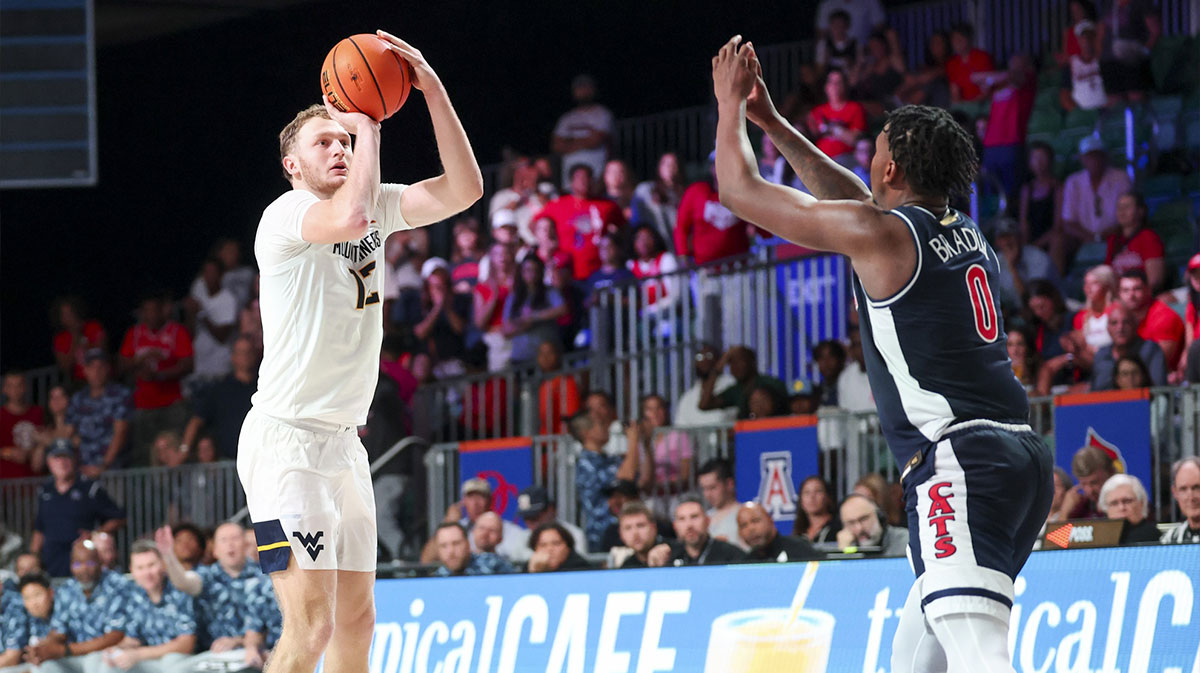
x=1116, y=422
x=506, y=464
x=815, y=300
x=1132, y=609
x=773, y=456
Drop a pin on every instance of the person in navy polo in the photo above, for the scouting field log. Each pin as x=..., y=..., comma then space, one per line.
x=69, y=505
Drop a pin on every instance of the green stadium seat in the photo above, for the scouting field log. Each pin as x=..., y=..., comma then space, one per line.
x=1169, y=61
x=1050, y=78
x=1047, y=100
x=1163, y=185
x=1066, y=144
x=1091, y=253
x=1174, y=219
x=1080, y=118
x=1045, y=121
x=1191, y=135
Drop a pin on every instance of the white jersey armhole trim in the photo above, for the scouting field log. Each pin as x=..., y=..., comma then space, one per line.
x=882, y=303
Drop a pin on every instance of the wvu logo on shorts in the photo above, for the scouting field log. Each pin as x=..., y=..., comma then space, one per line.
x=940, y=515
x=311, y=542
x=776, y=491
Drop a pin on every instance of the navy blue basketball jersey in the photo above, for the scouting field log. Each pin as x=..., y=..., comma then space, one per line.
x=935, y=351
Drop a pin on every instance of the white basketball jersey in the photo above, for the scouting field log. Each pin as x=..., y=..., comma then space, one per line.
x=322, y=313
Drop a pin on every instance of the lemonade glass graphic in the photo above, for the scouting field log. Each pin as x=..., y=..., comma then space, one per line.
x=770, y=640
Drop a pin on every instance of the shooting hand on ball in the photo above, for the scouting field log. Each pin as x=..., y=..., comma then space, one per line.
x=426, y=79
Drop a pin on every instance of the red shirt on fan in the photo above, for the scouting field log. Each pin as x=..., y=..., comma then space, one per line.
x=580, y=224
x=1192, y=318
x=959, y=70
x=1133, y=252
x=1163, y=324
x=484, y=290
x=170, y=344
x=705, y=230
x=93, y=334
x=851, y=115
x=18, y=430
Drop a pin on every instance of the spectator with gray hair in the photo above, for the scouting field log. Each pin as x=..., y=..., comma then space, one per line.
x=454, y=552
x=1185, y=486
x=1124, y=497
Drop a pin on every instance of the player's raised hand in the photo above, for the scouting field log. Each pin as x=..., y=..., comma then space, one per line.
x=759, y=108
x=425, y=78
x=733, y=78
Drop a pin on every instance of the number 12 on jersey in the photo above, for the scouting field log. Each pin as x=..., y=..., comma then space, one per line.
x=984, y=306
x=360, y=276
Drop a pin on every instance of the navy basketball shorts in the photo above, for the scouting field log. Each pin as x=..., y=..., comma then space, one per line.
x=976, y=501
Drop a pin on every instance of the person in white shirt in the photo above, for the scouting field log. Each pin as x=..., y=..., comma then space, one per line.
x=854, y=388
x=687, y=409
x=320, y=251
x=1089, y=204
x=717, y=486
x=1083, y=81
x=215, y=311
x=582, y=134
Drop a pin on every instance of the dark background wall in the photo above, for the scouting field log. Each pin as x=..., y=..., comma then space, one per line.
x=188, y=126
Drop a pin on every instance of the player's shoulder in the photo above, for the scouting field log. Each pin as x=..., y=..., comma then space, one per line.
x=288, y=200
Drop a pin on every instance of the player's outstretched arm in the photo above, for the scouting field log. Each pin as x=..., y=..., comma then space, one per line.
x=461, y=183
x=346, y=215
x=824, y=177
x=848, y=227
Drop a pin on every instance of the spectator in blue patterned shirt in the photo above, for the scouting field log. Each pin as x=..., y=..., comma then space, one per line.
x=161, y=624
x=264, y=623
x=69, y=506
x=100, y=414
x=594, y=472
x=222, y=590
x=24, y=616
x=454, y=551
x=90, y=611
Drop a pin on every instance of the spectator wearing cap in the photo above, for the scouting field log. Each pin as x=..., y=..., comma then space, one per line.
x=1082, y=76
x=1185, y=487
x=535, y=507
x=805, y=398
x=68, y=505
x=1020, y=263
x=521, y=198
x=582, y=220
x=91, y=612
x=221, y=407
x=24, y=616
x=453, y=552
x=161, y=625
x=581, y=136
x=1190, y=365
x=758, y=529
x=444, y=320
x=1089, y=205
x=158, y=353
x=476, y=499
x=100, y=414
x=694, y=545
x=504, y=230
x=19, y=422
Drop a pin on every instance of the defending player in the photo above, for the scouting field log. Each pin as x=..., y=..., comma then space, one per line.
x=977, y=480
x=320, y=252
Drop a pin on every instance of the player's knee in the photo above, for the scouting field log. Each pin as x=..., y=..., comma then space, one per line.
x=309, y=632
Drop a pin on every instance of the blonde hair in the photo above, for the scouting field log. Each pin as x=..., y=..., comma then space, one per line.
x=287, y=137
x=1104, y=275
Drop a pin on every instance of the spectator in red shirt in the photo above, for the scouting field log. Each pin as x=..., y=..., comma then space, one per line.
x=1012, y=93
x=582, y=220
x=965, y=62
x=158, y=352
x=705, y=230
x=19, y=424
x=1191, y=322
x=75, y=337
x=485, y=403
x=1156, y=321
x=490, y=296
x=837, y=123
x=1134, y=245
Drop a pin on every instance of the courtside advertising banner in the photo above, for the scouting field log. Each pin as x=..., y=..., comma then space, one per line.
x=506, y=464
x=1116, y=422
x=773, y=456
x=1132, y=610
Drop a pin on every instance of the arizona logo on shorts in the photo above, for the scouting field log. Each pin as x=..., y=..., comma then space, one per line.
x=776, y=491
x=311, y=542
x=941, y=513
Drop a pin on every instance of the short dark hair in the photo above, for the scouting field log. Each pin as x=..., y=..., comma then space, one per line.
x=1042, y=145
x=450, y=524
x=965, y=29
x=833, y=346
x=190, y=528
x=581, y=167
x=1140, y=274
x=840, y=14
x=936, y=154
x=34, y=578
x=718, y=466
x=605, y=394
x=690, y=498
x=555, y=526
x=635, y=508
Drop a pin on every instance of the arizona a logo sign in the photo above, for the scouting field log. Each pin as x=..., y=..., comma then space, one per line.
x=776, y=490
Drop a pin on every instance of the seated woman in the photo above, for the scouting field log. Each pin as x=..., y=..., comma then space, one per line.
x=1124, y=497
x=816, y=518
x=531, y=311
x=1024, y=359
x=1135, y=245
x=1131, y=373
x=553, y=550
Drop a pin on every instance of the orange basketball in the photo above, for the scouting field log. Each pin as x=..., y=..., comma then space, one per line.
x=361, y=74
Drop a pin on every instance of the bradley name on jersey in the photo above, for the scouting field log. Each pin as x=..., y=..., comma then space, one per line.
x=356, y=251
x=957, y=241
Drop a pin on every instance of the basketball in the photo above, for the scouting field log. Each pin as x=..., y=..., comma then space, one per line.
x=361, y=74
